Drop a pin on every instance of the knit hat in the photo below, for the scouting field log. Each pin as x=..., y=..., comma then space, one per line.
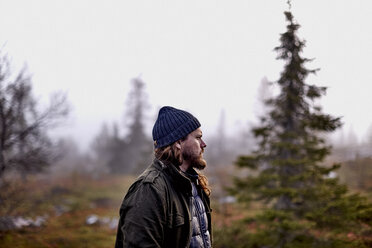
x=172, y=124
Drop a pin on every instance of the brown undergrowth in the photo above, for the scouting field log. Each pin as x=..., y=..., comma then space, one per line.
x=66, y=203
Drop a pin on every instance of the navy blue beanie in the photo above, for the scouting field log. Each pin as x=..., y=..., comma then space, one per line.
x=172, y=125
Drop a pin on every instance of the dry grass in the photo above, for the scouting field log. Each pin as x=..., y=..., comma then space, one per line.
x=78, y=196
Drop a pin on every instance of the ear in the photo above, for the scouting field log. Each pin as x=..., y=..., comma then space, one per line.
x=178, y=144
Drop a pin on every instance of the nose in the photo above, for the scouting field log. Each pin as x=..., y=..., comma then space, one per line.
x=202, y=144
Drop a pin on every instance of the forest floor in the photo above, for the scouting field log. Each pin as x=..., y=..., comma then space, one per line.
x=77, y=211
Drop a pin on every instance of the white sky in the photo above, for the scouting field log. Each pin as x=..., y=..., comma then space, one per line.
x=202, y=56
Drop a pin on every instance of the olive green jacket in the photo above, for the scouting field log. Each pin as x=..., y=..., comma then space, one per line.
x=156, y=210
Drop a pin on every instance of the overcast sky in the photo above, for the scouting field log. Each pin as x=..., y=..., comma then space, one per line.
x=202, y=56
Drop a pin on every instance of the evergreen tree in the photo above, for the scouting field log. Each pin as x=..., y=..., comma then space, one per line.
x=304, y=206
x=139, y=145
x=132, y=153
x=109, y=150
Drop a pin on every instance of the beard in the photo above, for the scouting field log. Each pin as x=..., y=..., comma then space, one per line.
x=196, y=160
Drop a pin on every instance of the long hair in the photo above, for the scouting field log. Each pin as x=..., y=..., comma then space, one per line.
x=170, y=155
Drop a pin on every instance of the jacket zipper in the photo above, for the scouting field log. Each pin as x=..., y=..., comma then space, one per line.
x=190, y=221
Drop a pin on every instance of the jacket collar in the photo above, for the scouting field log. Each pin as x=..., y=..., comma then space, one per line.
x=179, y=179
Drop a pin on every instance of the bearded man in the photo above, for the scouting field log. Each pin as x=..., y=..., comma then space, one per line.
x=168, y=205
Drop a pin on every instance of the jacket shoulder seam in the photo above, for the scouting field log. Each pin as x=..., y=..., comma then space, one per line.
x=151, y=176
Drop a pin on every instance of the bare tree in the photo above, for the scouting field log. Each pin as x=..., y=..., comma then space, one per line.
x=24, y=143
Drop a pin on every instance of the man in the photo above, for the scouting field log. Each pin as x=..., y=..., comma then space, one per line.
x=168, y=205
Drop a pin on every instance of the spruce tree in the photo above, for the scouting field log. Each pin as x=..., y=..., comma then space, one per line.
x=139, y=145
x=304, y=205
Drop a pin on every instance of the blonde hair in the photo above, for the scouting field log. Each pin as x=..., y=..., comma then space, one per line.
x=169, y=154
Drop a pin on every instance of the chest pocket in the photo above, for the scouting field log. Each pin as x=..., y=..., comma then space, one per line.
x=176, y=214
x=175, y=220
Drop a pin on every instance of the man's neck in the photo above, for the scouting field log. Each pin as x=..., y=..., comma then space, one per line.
x=184, y=166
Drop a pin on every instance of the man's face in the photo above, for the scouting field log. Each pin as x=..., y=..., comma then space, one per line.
x=193, y=148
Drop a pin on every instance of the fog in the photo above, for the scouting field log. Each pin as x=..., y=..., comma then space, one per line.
x=205, y=57
x=81, y=83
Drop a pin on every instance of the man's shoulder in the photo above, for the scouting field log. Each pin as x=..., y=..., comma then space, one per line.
x=149, y=182
x=159, y=177
x=154, y=174
x=151, y=176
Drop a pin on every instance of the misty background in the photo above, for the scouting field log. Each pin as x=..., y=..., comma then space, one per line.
x=207, y=57
x=81, y=83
